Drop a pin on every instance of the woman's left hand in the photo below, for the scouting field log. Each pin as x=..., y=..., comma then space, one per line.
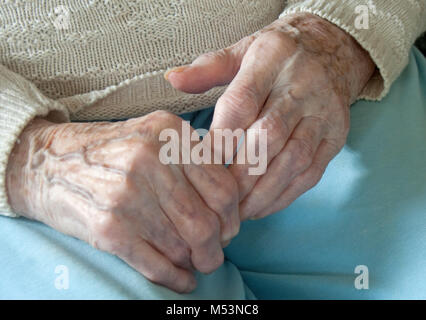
x=296, y=78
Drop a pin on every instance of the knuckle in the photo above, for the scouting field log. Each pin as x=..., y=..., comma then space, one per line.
x=262, y=45
x=200, y=226
x=143, y=153
x=116, y=201
x=240, y=48
x=164, y=119
x=136, y=122
x=247, y=41
x=243, y=97
x=180, y=201
x=215, y=262
x=161, y=114
x=103, y=229
x=336, y=144
x=277, y=130
x=227, y=194
x=215, y=56
x=276, y=41
x=229, y=198
x=308, y=136
x=181, y=254
x=235, y=231
x=157, y=274
x=322, y=120
x=316, y=176
x=303, y=148
x=301, y=154
x=204, y=230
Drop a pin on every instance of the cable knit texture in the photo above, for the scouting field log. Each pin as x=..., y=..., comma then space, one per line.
x=106, y=59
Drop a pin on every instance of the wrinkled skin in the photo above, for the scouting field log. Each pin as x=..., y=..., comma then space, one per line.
x=296, y=78
x=104, y=183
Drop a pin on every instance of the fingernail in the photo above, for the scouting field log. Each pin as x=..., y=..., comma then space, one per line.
x=175, y=70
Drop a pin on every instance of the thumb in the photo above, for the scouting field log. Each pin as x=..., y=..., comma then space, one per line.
x=209, y=70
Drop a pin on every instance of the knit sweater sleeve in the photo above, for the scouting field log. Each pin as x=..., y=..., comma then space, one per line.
x=385, y=28
x=20, y=102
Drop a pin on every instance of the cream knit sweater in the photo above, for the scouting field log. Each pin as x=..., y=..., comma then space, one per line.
x=105, y=59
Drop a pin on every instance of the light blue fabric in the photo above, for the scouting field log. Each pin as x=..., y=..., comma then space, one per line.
x=369, y=209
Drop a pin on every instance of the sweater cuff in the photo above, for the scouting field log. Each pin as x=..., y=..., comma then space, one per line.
x=392, y=29
x=20, y=102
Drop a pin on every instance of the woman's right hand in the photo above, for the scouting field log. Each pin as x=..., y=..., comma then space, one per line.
x=104, y=183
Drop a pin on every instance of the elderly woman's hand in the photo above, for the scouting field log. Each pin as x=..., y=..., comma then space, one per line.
x=296, y=78
x=104, y=183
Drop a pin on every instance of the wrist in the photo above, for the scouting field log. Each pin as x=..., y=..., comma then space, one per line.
x=23, y=173
x=348, y=64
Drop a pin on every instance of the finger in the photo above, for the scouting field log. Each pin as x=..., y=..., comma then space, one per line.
x=212, y=182
x=226, y=243
x=294, y=159
x=165, y=239
x=219, y=190
x=209, y=70
x=195, y=222
x=160, y=232
x=279, y=117
x=158, y=269
x=244, y=98
x=326, y=152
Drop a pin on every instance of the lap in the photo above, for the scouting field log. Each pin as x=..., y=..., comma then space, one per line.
x=39, y=263
x=369, y=209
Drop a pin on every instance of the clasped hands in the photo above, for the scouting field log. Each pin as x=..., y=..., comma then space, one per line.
x=103, y=182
